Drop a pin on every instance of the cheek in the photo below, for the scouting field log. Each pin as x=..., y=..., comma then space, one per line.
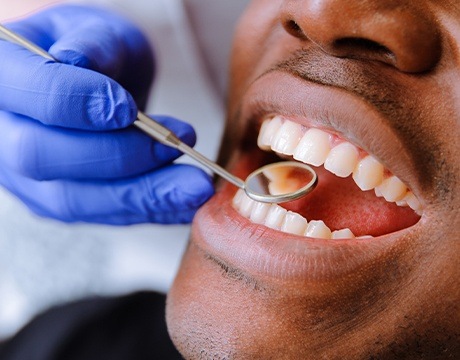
x=250, y=42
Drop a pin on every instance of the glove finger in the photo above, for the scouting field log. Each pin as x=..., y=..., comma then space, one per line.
x=45, y=153
x=94, y=39
x=105, y=53
x=125, y=57
x=59, y=94
x=167, y=196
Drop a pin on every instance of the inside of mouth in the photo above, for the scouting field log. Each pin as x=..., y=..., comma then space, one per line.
x=337, y=201
x=340, y=204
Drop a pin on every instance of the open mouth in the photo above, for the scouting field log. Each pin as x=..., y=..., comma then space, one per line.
x=352, y=145
x=357, y=197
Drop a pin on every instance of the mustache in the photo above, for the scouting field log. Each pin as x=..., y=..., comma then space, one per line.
x=367, y=81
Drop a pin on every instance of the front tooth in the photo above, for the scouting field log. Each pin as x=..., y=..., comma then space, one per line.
x=259, y=212
x=268, y=132
x=318, y=229
x=287, y=138
x=392, y=189
x=294, y=223
x=368, y=173
x=238, y=198
x=313, y=148
x=246, y=205
x=275, y=217
x=342, y=159
x=343, y=234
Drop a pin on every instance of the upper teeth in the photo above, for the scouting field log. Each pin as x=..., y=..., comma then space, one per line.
x=317, y=147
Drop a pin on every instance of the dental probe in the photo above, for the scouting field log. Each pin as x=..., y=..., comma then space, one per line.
x=257, y=185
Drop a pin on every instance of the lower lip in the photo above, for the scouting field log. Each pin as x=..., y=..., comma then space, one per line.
x=222, y=233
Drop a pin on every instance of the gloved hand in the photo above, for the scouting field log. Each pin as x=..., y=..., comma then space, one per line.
x=65, y=146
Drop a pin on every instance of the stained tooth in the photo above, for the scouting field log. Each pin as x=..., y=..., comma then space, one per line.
x=343, y=234
x=278, y=188
x=275, y=217
x=268, y=131
x=413, y=202
x=392, y=189
x=294, y=223
x=259, y=212
x=280, y=181
x=342, y=159
x=317, y=229
x=368, y=173
x=287, y=138
x=313, y=148
x=237, y=198
x=246, y=206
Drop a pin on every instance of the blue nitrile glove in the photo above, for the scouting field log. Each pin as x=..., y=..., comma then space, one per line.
x=65, y=146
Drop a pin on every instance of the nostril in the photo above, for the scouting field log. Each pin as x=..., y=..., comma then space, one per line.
x=405, y=37
x=361, y=44
x=294, y=29
x=362, y=48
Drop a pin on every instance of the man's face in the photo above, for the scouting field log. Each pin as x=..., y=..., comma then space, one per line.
x=371, y=88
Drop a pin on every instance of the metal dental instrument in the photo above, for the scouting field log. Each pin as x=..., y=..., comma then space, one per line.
x=273, y=183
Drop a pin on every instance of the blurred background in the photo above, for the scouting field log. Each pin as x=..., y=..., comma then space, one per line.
x=11, y=10
x=44, y=262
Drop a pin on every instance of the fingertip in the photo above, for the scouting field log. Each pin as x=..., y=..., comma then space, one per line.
x=178, y=188
x=72, y=57
x=110, y=106
x=93, y=46
x=182, y=129
x=124, y=111
x=196, y=188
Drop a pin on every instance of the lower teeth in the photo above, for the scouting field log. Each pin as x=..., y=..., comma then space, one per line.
x=275, y=217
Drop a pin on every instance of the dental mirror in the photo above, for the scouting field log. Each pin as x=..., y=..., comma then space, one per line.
x=273, y=183
x=280, y=182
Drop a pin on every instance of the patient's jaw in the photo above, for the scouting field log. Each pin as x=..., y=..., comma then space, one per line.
x=368, y=92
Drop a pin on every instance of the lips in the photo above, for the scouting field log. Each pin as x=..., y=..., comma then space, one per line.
x=368, y=158
x=341, y=158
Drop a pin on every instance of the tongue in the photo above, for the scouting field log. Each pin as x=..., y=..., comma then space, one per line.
x=341, y=204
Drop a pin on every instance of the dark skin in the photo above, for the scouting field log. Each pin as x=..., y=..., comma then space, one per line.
x=393, y=65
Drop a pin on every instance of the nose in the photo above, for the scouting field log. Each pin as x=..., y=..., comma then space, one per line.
x=397, y=32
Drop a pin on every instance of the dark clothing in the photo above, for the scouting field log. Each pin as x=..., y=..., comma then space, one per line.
x=125, y=328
